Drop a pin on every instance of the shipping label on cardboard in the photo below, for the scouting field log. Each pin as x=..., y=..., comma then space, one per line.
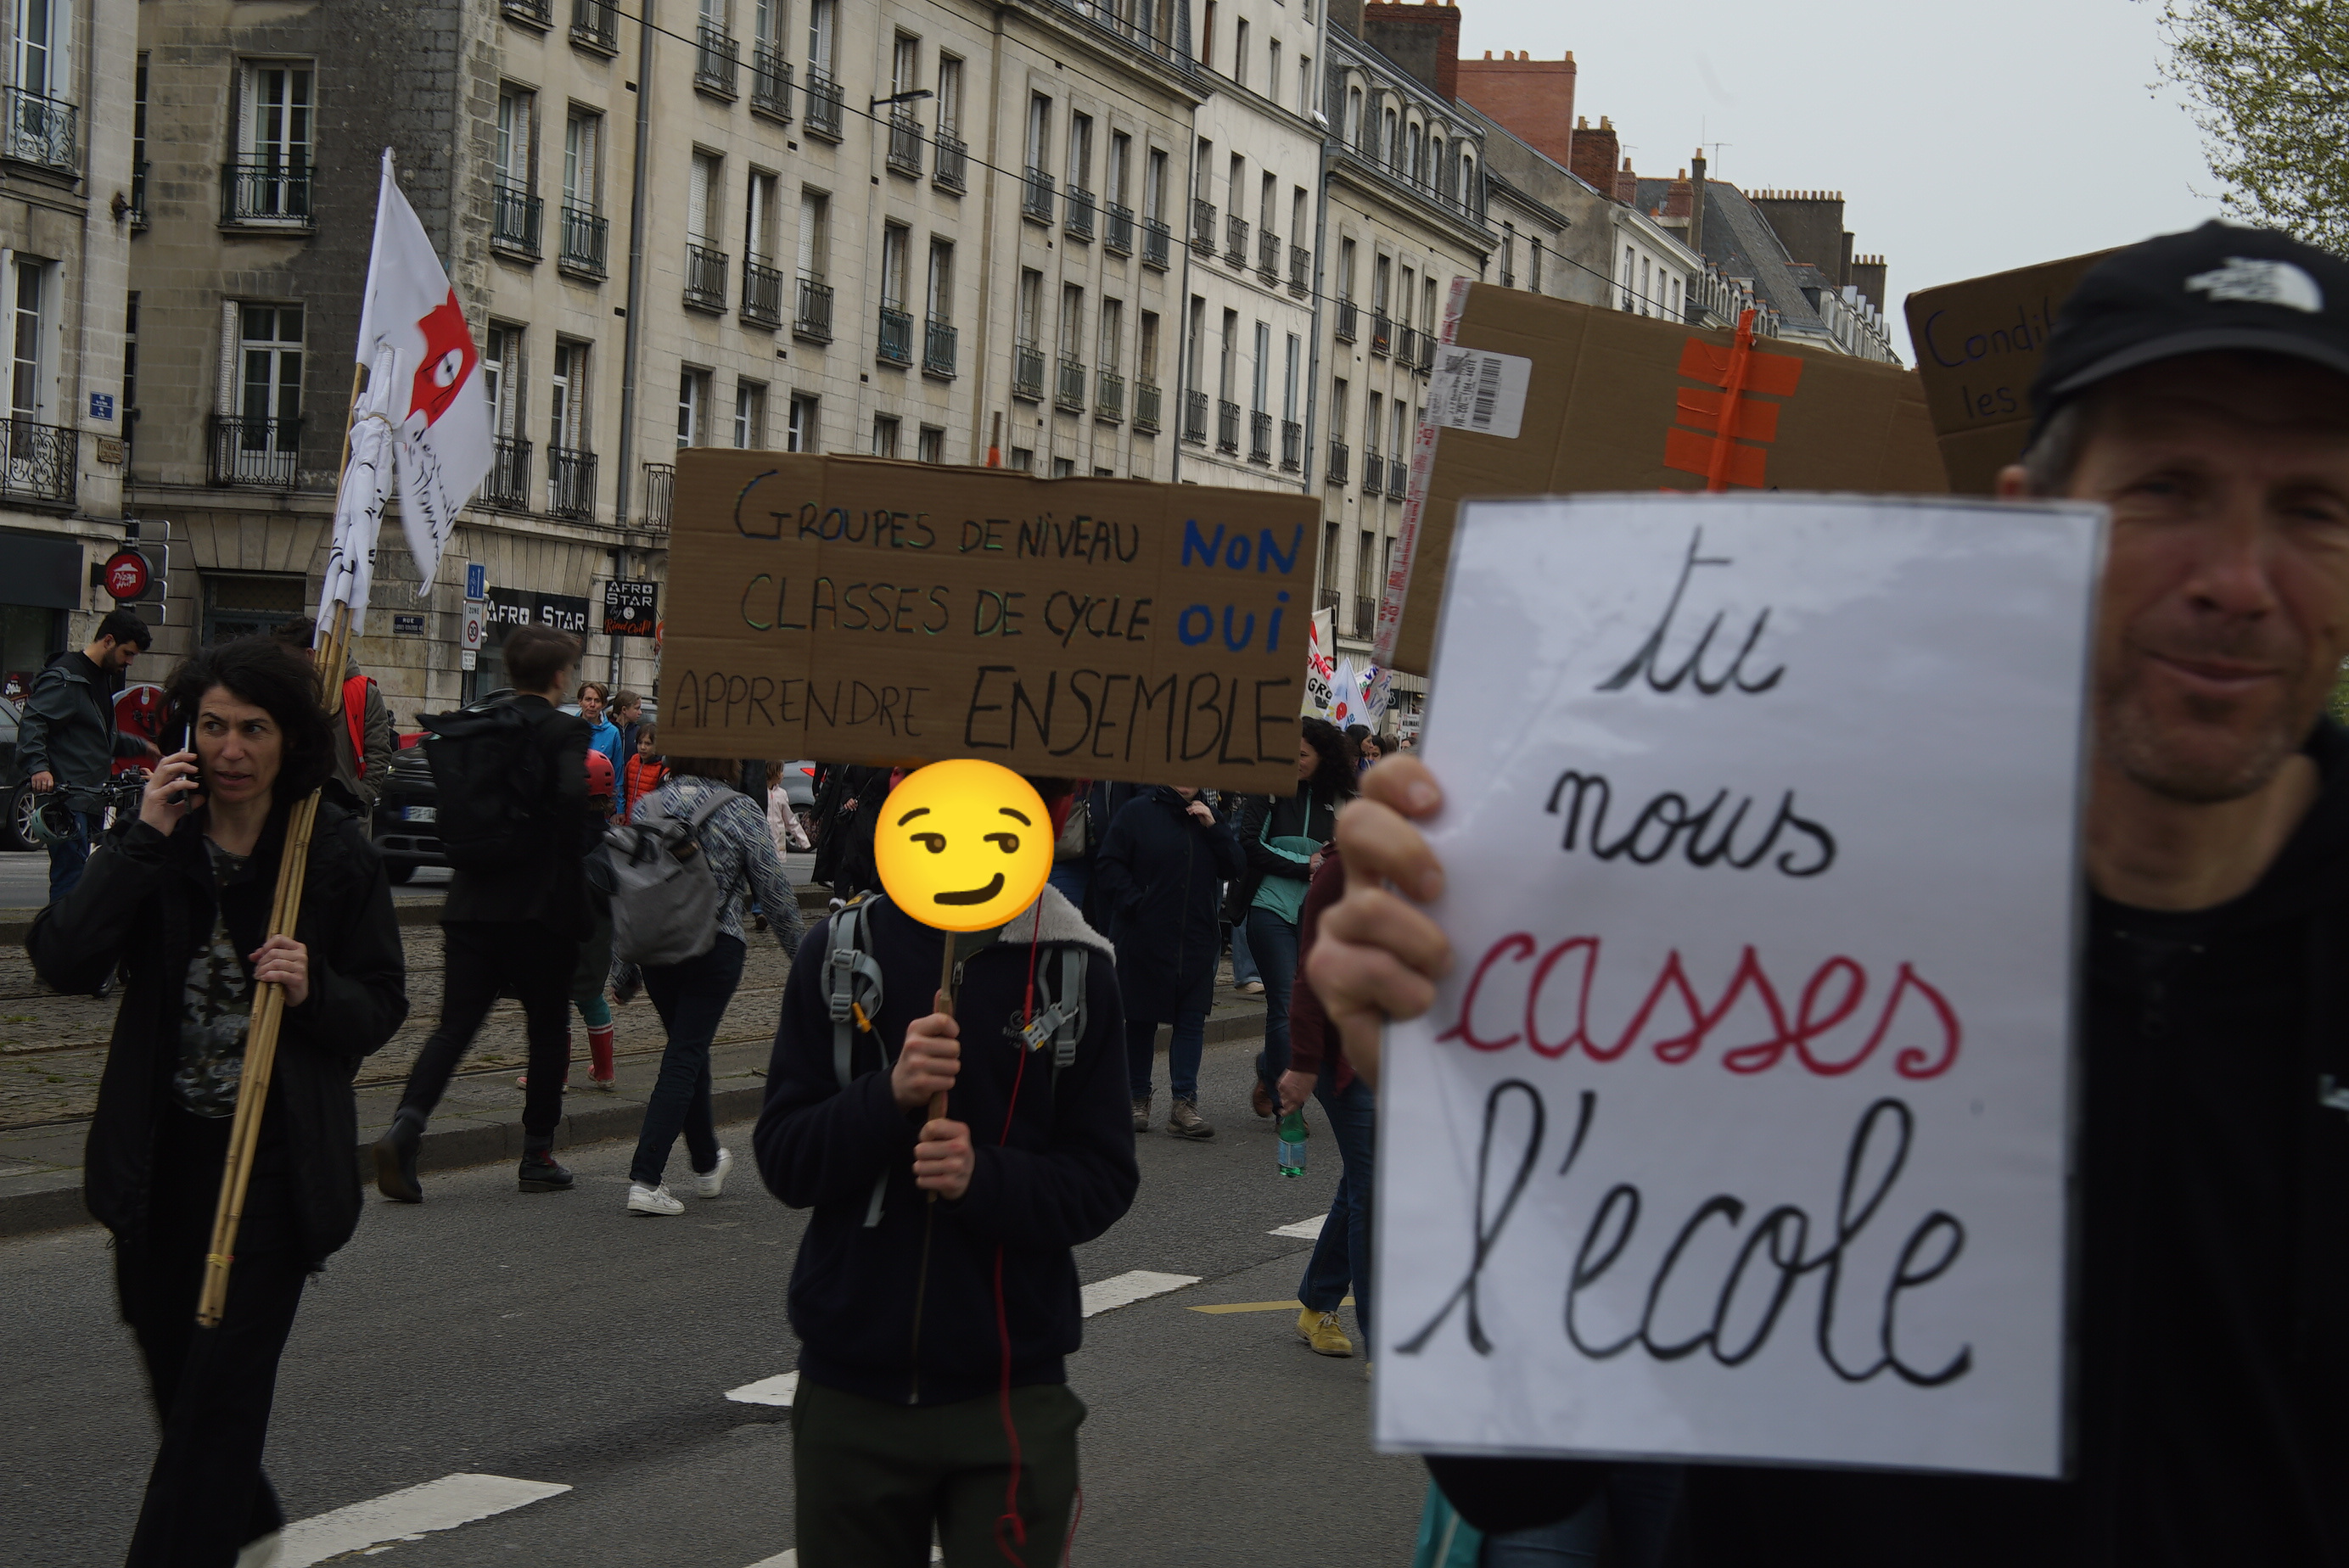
x=859, y=610
x=1471, y=390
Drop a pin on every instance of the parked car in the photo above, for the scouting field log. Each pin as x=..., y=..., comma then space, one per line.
x=16, y=829
x=407, y=806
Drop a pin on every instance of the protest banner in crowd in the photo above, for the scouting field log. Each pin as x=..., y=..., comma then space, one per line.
x=862, y=610
x=1739, y=1129
x=1544, y=396
x=1320, y=669
x=1978, y=346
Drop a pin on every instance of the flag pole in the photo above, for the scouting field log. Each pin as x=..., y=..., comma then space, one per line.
x=269, y=1006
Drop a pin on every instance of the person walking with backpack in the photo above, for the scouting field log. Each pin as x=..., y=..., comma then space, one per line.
x=714, y=825
x=511, y=784
x=935, y=1296
x=1157, y=879
x=67, y=740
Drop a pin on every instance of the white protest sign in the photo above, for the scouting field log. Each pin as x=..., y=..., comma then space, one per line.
x=1739, y=1129
x=1319, y=670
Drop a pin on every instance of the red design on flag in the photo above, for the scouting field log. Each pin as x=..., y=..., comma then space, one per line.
x=449, y=359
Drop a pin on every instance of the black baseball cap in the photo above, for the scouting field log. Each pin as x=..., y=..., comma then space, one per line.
x=2216, y=287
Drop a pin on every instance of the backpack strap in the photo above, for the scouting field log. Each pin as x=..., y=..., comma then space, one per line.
x=1062, y=1019
x=853, y=985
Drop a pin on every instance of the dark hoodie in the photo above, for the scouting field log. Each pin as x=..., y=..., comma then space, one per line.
x=2212, y=1339
x=1063, y=1175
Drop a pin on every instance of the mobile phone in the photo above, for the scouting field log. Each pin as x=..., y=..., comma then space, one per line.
x=178, y=740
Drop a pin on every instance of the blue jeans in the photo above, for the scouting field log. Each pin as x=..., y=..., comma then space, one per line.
x=691, y=998
x=1272, y=940
x=66, y=860
x=1343, y=1256
x=1182, y=1053
x=1243, y=961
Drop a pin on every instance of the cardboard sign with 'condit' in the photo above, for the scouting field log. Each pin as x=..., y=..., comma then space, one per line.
x=861, y=609
x=1544, y=396
x=1740, y=1128
x=1978, y=345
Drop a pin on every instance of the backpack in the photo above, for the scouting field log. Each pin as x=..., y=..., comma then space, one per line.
x=490, y=780
x=665, y=902
x=852, y=993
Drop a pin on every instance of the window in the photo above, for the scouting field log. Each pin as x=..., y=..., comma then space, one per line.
x=1080, y=151
x=816, y=234
x=1121, y=157
x=1367, y=549
x=1236, y=200
x=131, y=367
x=1145, y=351
x=885, y=435
x=949, y=94
x=1112, y=333
x=1228, y=367
x=28, y=344
x=1508, y=256
x=1040, y=129
x=1345, y=272
x=1304, y=84
x=1353, y=116
x=766, y=21
x=1267, y=203
x=1072, y=322
x=894, y=238
x=1272, y=70
x=511, y=156
x=1239, y=51
x=1427, y=306
x=1391, y=141
x=501, y=367
x=940, y=302
x=905, y=65
x=930, y=445
x=759, y=217
x=1260, y=386
x=1400, y=412
x=138, y=142
x=274, y=150
x=702, y=202
x=1030, y=304
x=802, y=435
x=1208, y=34
x=692, y=407
x=269, y=352
x=582, y=134
x=820, y=14
x=750, y=414
x=1153, y=187
x=1627, y=277
x=1535, y=262
x=1381, y=274
x=1062, y=467
x=567, y=397
x=1371, y=408
x=1403, y=299
x=1023, y=459
x=1328, y=563
x=1195, y=345
x=1415, y=153
x=42, y=27
x=1288, y=383
x=1644, y=295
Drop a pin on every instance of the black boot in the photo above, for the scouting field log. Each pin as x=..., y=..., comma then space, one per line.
x=539, y=1172
x=395, y=1157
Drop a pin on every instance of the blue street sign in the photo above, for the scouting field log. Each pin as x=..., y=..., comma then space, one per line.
x=101, y=405
x=477, y=581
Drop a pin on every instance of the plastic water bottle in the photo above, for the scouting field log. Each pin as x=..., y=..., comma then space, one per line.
x=1292, y=1144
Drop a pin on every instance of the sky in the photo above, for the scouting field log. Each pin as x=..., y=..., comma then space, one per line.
x=1966, y=140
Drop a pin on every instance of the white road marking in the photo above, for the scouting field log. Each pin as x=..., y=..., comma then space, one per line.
x=1126, y=1289
x=1304, y=1229
x=775, y=1390
x=791, y=1559
x=409, y=1514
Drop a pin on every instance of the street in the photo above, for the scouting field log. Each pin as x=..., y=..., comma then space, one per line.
x=554, y=1340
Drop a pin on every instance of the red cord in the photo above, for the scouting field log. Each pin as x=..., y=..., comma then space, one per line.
x=1010, y=1513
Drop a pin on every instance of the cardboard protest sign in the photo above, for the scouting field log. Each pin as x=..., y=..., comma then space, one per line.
x=1739, y=1129
x=1978, y=346
x=860, y=610
x=1542, y=396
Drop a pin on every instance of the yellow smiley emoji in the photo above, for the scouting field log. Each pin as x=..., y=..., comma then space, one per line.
x=962, y=845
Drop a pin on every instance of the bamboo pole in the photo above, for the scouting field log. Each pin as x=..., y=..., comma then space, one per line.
x=269, y=1003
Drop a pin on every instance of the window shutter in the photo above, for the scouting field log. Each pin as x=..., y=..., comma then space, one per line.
x=225, y=401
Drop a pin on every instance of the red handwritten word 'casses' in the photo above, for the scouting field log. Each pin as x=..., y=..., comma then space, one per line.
x=1522, y=994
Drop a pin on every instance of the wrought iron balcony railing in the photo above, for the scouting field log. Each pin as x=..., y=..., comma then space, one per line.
x=905, y=142
x=1157, y=241
x=951, y=170
x=507, y=488
x=138, y=196
x=537, y=14
x=812, y=320
x=1078, y=213
x=1267, y=257
x=595, y=24
x=660, y=497
x=823, y=106
x=1236, y=233
x=1342, y=325
x=1300, y=271
x=1146, y=398
x=1035, y=196
x=264, y=453
x=1260, y=436
x=1228, y=426
x=939, y=347
x=570, y=482
x=705, y=278
x=1292, y=446
x=1366, y=615
x=1406, y=346
x=716, y=58
x=581, y=242
x=1375, y=470
x=40, y=468
x=1202, y=228
x=514, y=220
x=1335, y=473
x=1381, y=332
x=762, y=292
x=896, y=345
x=1195, y=417
x=265, y=192
x=43, y=131
x=1027, y=372
x=1398, y=477
x=1117, y=230
x=771, y=82
x=1069, y=386
x=1109, y=396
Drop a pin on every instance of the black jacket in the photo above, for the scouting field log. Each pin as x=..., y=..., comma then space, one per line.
x=1066, y=1174
x=69, y=728
x=148, y=899
x=551, y=890
x=847, y=804
x=2213, y=1416
x=1158, y=878
x=1256, y=819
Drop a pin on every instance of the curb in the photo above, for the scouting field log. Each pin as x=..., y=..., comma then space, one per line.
x=51, y=1201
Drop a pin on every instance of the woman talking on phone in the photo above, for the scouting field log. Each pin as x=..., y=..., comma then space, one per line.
x=182, y=900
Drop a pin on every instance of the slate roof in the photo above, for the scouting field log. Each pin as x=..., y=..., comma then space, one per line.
x=1739, y=240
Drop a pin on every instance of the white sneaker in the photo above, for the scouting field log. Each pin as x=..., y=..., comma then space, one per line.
x=262, y=1551
x=709, y=1183
x=644, y=1200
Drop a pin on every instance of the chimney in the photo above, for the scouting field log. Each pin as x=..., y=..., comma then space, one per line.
x=1627, y=184
x=1696, y=202
x=1678, y=202
x=1594, y=153
x=1532, y=99
x=1868, y=275
x=1423, y=39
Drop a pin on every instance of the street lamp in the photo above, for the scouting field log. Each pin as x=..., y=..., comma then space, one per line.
x=914, y=96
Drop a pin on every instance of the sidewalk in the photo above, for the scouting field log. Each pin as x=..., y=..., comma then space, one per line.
x=478, y=1122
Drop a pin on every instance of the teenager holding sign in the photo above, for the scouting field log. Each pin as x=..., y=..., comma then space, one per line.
x=2199, y=386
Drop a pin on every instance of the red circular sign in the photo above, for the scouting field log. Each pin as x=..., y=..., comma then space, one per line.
x=125, y=574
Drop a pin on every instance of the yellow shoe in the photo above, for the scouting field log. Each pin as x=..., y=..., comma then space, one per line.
x=1320, y=1330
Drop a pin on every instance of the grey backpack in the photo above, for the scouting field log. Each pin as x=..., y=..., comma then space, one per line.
x=665, y=902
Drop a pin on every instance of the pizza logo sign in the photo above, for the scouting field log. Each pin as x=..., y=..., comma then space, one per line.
x=448, y=358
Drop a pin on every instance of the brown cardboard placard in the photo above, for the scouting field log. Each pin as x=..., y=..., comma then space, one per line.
x=1613, y=401
x=1978, y=346
x=863, y=609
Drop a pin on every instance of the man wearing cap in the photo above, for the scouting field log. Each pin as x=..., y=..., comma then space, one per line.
x=2197, y=385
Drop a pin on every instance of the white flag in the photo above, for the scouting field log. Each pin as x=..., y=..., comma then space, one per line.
x=412, y=333
x=1374, y=694
x=359, y=501
x=1346, y=697
x=1319, y=669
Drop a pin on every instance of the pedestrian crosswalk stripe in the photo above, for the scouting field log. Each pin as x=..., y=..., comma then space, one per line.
x=1262, y=1306
x=409, y=1514
x=1304, y=1229
x=1126, y=1289
x=775, y=1390
x=791, y=1559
